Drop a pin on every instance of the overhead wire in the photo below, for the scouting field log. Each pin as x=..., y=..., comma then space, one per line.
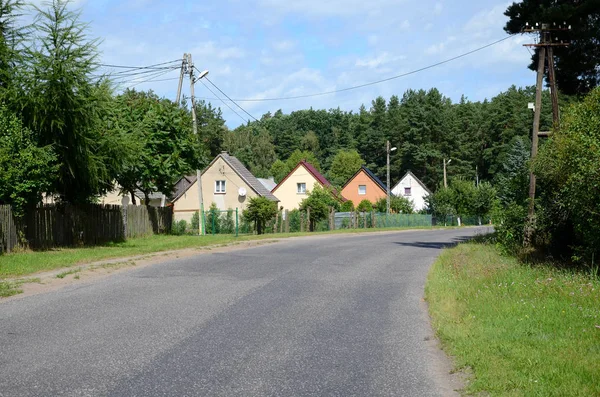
x=151, y=79
x=227, y=96
x=225, y=103
x=374, y=82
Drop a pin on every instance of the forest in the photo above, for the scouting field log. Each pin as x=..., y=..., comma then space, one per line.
x=67, y=131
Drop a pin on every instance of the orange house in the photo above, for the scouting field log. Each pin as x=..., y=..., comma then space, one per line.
x=364, y=185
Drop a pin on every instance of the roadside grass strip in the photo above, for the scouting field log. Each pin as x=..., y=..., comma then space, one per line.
x=30, y=262
x=518, y=330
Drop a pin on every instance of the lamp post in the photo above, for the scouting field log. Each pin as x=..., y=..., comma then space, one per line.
x=388, y=150
x=445, y=164
x=193, y=81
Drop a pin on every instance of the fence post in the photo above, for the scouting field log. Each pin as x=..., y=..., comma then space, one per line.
x=236, y=223
x=373, y=219
x=301, y=222
x=365, y=219
x=275, y=226
x=308, y=219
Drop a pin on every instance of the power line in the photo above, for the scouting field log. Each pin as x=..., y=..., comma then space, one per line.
x=224, y=103
x=373, y=82
x=149, y=79
x=221, y=91
x=137, y=67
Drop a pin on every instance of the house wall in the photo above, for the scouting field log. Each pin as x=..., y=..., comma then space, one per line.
x=373, y=193
x=287, y=191
x=188, y=203
x=417, y=193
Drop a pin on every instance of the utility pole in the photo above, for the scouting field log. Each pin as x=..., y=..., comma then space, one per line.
x=388, y=149
x=190, y=70
x=545, y=53
x=445, y=178
x=181, y=75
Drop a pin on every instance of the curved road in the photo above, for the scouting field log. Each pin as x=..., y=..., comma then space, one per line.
x=337, y=315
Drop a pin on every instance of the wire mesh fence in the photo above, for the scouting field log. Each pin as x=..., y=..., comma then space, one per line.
x=232, y=221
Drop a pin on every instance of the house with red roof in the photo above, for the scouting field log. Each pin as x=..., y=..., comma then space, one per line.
x=295, y=186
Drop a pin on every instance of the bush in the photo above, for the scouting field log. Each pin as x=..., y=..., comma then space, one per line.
x=365, y=206
x=195, y=223
x=228, y=223
x=179, y=228
x=213, y=220
x=260, y=210
x=398, y=205
x=294, y=217
x=347, y=206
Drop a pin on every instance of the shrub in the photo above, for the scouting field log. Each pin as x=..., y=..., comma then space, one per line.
x=364, y=206
x=179, y=228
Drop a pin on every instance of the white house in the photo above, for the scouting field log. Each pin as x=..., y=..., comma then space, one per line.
x=413, y=189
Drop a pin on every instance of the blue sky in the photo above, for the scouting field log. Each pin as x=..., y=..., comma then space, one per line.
x=275, y=48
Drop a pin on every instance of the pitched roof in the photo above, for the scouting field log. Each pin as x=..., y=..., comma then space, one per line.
x=236, y=165
x=182, y=186
x=268, y=183
x=246, y=175
x=409, y=173
x=311, y=169
x=371, y=175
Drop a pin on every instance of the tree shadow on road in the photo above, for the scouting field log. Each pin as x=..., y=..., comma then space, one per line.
x=433, y=245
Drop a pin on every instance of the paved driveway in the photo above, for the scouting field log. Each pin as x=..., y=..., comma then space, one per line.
x=336, y=315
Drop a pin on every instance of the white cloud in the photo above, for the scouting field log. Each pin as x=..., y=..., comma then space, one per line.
x=381, y=59
x=438, y=8
x=327, y=8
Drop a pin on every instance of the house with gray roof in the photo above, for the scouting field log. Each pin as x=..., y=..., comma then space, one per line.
x=226, y=182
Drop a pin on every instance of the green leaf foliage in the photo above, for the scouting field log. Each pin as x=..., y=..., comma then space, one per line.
x=27, y=170
x=344, y=165
x=260, y=210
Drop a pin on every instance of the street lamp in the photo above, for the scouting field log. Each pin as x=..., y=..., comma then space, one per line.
x=388, y=150
x=445, y=164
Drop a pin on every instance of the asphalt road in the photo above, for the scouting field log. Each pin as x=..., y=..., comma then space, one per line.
x=324, y=316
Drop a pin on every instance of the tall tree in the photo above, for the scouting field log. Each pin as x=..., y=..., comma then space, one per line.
x=162, y=146
x=11, y=38
x=345, y=164
x=577, y=66
x=65, y=106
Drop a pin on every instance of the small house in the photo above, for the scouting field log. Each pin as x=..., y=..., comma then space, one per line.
x=364, y=185
x=295, y=186
x=413, y=189
x=226, y=182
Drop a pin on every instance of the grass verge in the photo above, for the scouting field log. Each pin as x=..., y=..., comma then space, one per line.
x=520, y=330
x=30, y=262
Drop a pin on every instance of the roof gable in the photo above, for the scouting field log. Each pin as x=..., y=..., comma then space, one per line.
x=409, y=173
x=237, y=167
x=311, y=170
x=371, y=175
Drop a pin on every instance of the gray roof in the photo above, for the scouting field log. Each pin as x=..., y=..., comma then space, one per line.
x=268, y=183
x=247, y=176
x=182, y=186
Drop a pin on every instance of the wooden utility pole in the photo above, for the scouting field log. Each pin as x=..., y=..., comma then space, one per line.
x=445, y=178
x=190, y=70
x=545, y=53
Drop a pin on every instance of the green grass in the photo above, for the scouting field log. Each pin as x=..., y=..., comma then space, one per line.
x=64, y=274
x=10, y=288
x=520, y=330
x=30, y=262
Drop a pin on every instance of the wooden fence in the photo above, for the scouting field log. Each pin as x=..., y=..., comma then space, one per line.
x=49, y=226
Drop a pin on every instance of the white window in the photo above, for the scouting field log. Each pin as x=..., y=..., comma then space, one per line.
x=362, y=190
x=407, y=191
x=301, y=188
x=219, y=186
